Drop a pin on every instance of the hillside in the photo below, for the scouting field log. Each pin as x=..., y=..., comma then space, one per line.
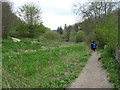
x=28, y=63
x=34, y=56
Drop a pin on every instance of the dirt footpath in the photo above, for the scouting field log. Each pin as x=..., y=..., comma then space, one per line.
x=92, y=75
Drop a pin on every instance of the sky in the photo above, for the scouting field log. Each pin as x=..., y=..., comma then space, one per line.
x=55, y=13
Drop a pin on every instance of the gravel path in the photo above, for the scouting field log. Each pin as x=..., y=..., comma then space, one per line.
x=92, y=75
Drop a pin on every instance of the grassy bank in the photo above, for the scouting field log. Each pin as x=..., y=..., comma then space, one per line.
x=113, y=67
x=51, y=68
x=8, y=46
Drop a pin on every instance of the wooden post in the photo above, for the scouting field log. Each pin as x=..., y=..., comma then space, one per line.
x=118, y=56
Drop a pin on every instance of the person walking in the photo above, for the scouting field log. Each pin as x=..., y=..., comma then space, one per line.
x=94, y=46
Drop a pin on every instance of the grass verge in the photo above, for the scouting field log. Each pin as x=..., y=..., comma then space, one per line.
x=113, y=67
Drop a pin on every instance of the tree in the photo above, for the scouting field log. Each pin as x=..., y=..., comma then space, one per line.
x=31, y=15
x=80, y=36
x=93, y=13
x=76, y=27
x=65, y=26
x=9, y=19
x=60, y=30
x=68, y=30
x=72, y=36
x=94, y=9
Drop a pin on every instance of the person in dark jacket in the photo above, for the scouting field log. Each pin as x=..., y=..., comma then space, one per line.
x=92, y=46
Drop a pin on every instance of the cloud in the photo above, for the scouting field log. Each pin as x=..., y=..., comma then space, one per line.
x=54, y=12
x=53, y=20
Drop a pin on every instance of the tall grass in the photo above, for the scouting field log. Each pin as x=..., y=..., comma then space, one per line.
x=113, y=67
x=8, y=46
x=53, y=68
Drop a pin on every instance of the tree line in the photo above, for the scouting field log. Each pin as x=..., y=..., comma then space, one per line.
x=100, y=24
x=26, y=22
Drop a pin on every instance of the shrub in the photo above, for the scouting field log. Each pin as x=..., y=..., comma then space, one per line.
x=80, y=36
x=112, y=66
x=107, y=34
x=50, y=35
x=21, y=30
x=39, y=30
x=65, y=35
x=72, y=36
x=91, y=37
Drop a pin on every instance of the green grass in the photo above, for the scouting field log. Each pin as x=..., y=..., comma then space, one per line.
x=113, y=67
x=8, y=46
x=52, y=68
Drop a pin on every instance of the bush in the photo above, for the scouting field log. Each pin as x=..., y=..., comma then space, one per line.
x=65, y=35
x=107, y=34
x=23, y=30
x=91, y=37
x=72, y=36
x=112, y=66
x=50, y=35
x=39, y=30
x=80, y=36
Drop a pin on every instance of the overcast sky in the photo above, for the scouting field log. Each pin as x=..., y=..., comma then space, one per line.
x=54, y=12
